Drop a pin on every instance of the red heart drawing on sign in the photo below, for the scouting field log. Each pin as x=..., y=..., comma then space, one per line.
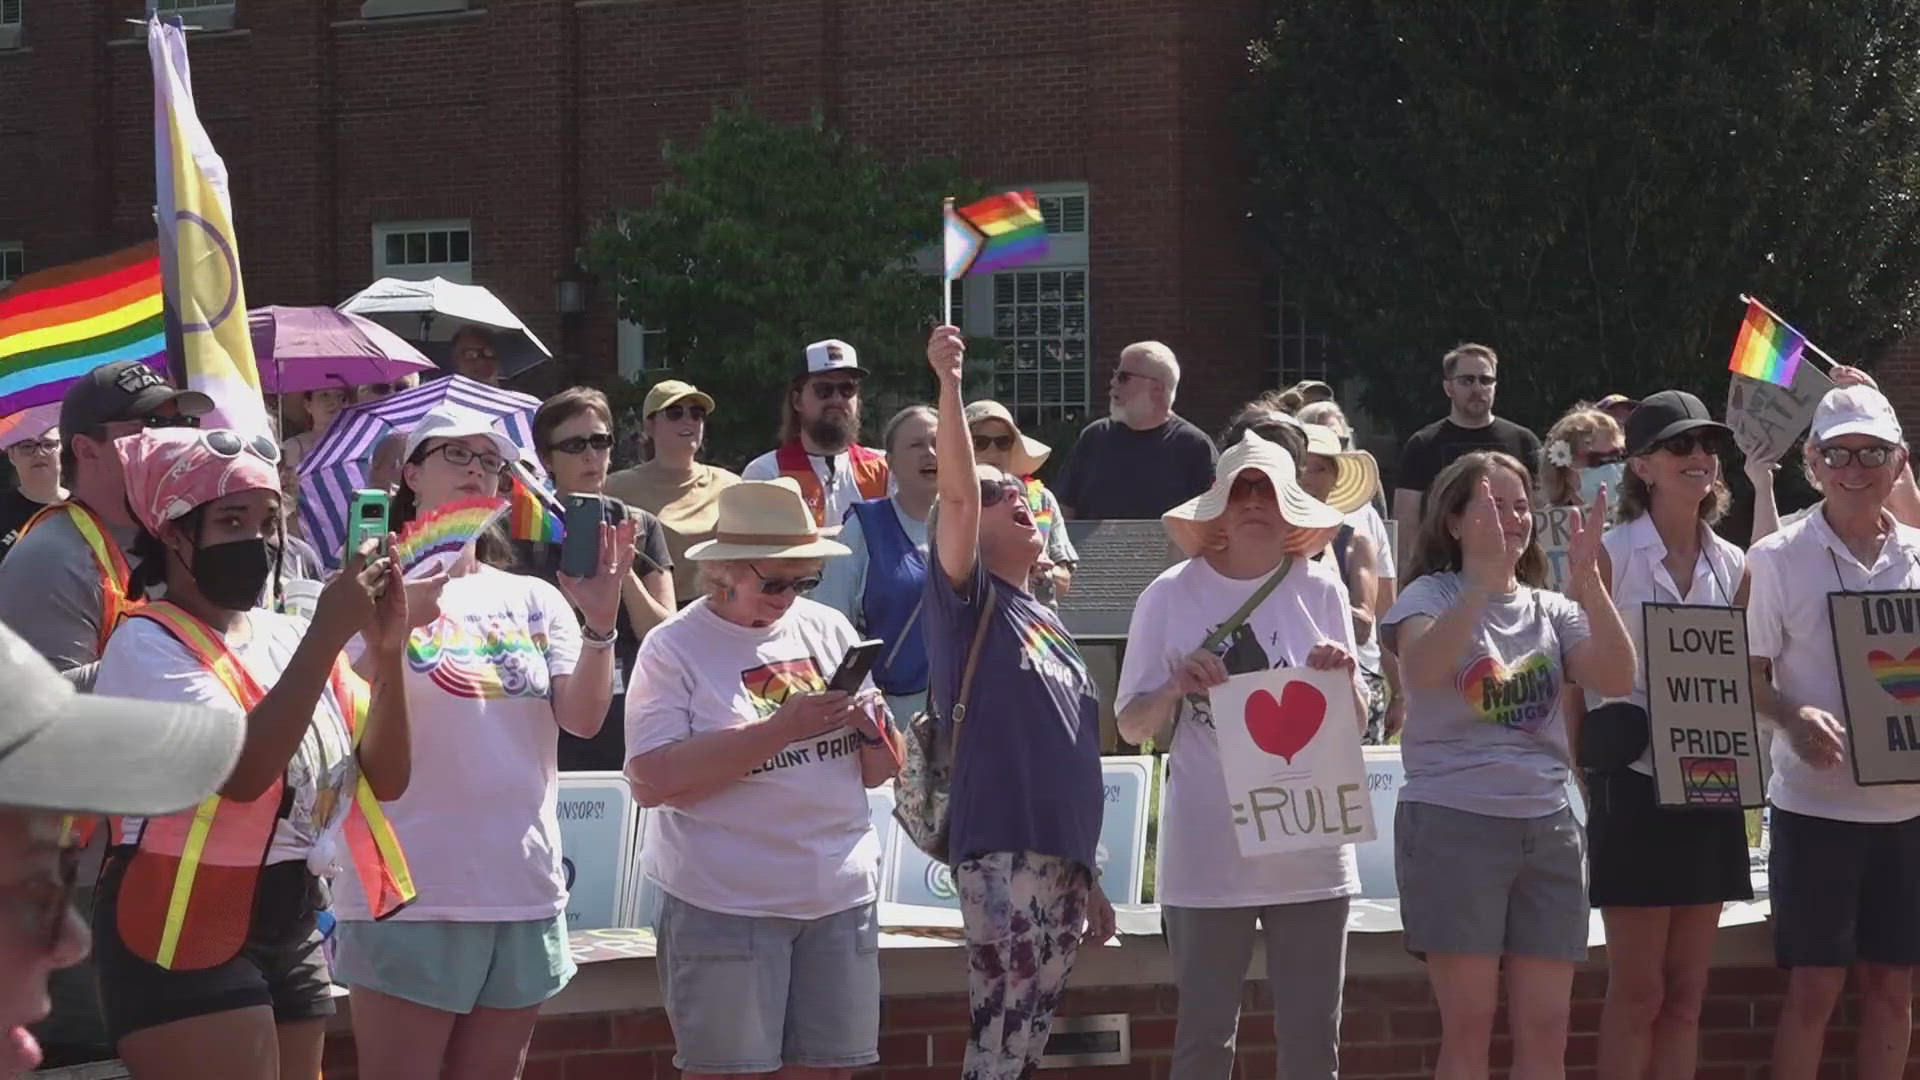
x=1285, y=726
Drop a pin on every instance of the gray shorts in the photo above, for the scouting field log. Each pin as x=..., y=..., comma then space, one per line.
x=1476, y=885
x=748, y=995
x=457, y=967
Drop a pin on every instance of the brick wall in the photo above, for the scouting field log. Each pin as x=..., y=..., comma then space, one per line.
x=1391, y=1029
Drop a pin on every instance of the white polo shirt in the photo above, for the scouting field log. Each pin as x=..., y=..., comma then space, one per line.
x=1792, y=572
x=1640, y=576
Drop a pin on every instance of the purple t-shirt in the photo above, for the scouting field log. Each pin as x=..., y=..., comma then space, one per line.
x=1029, y=772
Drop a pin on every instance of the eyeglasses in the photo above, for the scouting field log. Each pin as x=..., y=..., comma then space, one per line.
x=1592, y=460
x=460, y=457
x=1468, y=382
x=776, y=586
x=580, y=444
x=227, y=443
x=382, y=389
x=36, y=448
x=1687, y=442
x=41, y=904
x=476, y=352
x=1121, y=377
x=675, y=413
x=994, y=492
x=826, y=391
x=1867, y=457
x=993, y=442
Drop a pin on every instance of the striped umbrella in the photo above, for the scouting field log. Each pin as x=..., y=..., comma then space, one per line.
x=338, y=464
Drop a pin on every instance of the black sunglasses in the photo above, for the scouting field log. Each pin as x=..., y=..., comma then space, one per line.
x=776, y=586
x=1468, y=381
x=1593, y=460
x=826, y=391
x=1687, y=442
x=993, y=442
x=994, y=492
x=176, y=420
x=675, y=413
x=580, y=444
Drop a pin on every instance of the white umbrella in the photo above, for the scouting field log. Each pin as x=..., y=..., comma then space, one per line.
x=432, y=311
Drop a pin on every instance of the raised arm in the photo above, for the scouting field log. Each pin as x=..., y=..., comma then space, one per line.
x=957, y=528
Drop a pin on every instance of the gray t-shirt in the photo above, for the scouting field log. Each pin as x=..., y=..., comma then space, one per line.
x=50, y=592
x=1495, y=742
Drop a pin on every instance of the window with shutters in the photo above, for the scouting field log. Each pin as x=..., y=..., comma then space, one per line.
x=417, y=250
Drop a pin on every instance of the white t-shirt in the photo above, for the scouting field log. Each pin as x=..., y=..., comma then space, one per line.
x=1792, y=571
x=835, y=471
x=1199, y=861
x=791, y=839
x=145, y=661
x=1640, y=577
x=478, y=820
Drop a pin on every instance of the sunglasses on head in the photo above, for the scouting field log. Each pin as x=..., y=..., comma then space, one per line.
x=676, y=413
x=827, y=391
x=993, y=442
x=800, y=586
x=580, y=444
x=227, y=443
x=1687, y=442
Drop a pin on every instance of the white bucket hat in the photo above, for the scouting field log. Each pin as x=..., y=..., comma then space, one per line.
x=1028, y=454
x=1314, y=522
x=1358, y=475
x=766, y=519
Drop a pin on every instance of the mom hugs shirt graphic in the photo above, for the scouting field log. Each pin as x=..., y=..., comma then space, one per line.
x=1519, y=696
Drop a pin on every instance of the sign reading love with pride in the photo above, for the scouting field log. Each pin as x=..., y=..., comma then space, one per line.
x=1876, y=640
x=1290, y=751
x=1706, y=745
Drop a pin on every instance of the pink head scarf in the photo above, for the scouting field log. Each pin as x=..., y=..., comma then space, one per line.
x=170, y=471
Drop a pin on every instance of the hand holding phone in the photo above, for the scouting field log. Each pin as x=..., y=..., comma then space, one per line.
x=580, y=551
x=853, y=669
x=367, y=520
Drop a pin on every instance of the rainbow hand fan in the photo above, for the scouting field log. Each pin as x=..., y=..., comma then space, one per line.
x=434, y=541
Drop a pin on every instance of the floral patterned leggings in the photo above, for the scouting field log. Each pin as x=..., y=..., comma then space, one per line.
x=1023, y=913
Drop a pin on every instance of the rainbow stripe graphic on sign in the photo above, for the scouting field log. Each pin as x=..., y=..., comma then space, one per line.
x=1899, y=678
x=1710, y=781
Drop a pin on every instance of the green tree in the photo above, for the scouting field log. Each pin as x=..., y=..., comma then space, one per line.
x=1586, y=185
x=766, y=237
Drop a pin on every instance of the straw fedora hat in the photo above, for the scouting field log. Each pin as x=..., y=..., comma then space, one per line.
x=1358, y=475
x=1314, y=522
x=1028, y=454
x=766, y=519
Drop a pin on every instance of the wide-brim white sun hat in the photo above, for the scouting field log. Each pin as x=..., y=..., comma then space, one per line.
x=1028, y=454
x=766, y=519
x=1313, y=521
x=1357, y=475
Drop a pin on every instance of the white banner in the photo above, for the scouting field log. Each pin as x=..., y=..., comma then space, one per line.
x=1290, y=751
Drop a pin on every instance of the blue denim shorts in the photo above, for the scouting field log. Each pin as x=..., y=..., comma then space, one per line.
x=457, y=967
x=750, y=994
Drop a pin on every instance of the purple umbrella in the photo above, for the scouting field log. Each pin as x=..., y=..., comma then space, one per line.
x=319, y=348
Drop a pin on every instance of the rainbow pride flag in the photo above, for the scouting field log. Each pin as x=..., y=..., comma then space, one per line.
x=1766, y=349
x=58, y=324
x=534, y=514
x=997, y=233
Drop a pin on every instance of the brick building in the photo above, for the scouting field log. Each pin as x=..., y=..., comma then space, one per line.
x=481, y=140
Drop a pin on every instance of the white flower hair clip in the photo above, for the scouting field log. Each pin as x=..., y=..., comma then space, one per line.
x=1559, y=453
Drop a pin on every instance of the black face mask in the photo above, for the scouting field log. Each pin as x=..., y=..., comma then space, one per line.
x=232, y=575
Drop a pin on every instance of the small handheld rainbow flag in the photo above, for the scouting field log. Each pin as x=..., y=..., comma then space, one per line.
x=56, y=325
x=535, y=513
x=437, y=539
x=997, y=233
x=1766, y=348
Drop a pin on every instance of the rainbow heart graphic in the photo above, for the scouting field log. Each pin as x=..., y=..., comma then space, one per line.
x=1519, y=696
x=1899, y=678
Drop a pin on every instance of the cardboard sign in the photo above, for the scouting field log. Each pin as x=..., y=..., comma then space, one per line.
x=1553, y=526
x=1290, y=752
x=909, y=877
x=597, y=819
x=1876, y=642
x=1765, y=418
x=1706, y=743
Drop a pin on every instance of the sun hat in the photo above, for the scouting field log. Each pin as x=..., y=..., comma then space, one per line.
x=170, y=471
x=1855, y=410
x=1668, y=413
x=61, y=750
x=668, y=391
x=459, y=422
x=1028, y=454
x=1314, y=522
x=1357, y=475
x=766, y=519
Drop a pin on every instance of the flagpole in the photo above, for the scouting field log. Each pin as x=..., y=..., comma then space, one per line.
x=1775, y=316
x=946, y=283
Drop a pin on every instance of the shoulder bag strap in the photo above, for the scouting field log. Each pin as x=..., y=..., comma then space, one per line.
x=1227, y=628
x=958, y=714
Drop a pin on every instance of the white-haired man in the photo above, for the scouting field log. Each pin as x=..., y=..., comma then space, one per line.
x=1141, y=460
x=1845, y=870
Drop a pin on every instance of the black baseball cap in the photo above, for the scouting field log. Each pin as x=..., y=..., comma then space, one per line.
x=123, y=390
x=1668, y=413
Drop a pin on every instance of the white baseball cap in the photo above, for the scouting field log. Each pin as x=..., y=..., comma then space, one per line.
x=830, y=355
x=458, y=422
x=1855, y=410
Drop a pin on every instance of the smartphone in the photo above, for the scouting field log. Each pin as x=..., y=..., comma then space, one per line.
x=852, y=673
x=580, y=551
x=367, y=520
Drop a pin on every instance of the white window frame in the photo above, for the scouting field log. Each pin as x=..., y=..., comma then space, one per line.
x=637, y=349
x=203, y=14
x=10, y=30
x=458, y=271
x=394, y=9
x=1067, y=253
x=15, y=248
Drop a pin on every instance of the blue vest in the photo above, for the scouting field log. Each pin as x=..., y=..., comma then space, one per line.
x=896, y=579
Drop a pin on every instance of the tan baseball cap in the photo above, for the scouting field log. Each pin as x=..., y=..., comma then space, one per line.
x=668, y=391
